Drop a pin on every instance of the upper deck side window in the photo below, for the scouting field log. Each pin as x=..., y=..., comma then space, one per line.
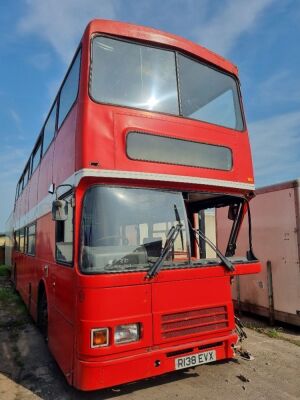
x=36, y=156
x=20, y=186
x=26, y=174
x=49, y=129
x=65, y=99
x=24, y=179
x=17, y=190
x=69, y=90
x=144, y=77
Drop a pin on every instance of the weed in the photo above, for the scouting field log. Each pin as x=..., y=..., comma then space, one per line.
x=293, y=341
x=10, y=300
x=7, y=295
x=17, y=317
x=4, y=270
x=273, y=333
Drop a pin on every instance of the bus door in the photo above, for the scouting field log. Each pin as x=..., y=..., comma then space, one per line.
x=62, y=282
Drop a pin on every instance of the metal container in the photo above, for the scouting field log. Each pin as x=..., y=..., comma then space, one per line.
x=275, y=291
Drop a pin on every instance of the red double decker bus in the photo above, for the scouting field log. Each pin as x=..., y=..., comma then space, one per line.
x=115, y=248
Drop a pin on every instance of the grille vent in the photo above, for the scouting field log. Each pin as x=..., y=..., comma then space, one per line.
x=194, y=321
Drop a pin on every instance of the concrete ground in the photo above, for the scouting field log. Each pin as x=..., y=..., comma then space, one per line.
x=28, y=371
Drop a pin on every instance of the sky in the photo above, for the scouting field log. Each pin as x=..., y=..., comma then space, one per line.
x=39, y=37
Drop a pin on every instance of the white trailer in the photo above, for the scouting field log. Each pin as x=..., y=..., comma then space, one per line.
x=275, y=291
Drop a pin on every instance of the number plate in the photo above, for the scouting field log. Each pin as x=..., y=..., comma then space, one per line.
x=195, y=359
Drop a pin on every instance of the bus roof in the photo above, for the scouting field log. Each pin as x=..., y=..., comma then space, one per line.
x=127, y=30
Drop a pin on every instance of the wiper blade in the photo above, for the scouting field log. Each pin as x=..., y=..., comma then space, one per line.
x=228, y=264
x=171, y=237
x=178, y=222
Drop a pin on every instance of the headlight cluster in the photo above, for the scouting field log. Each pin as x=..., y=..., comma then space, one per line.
x=127, y=333
x=122, y=334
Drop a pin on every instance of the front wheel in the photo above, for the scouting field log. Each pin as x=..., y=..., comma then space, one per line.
x=42, y=319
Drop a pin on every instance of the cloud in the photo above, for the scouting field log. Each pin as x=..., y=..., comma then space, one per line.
x=15, y=116
x=40, y=61
x=52, y=88
x=275, y=148
x=233, y=18
x=13, y=158
x=18, y=123
x=219, y=24
x=280, y=87
x=61, y=22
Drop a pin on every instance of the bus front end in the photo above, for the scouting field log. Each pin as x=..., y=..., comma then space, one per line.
x=163, y=148
x=153, y=295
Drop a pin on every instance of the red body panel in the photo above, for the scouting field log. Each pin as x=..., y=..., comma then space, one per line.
x=101, y=374
x=95, y=133
x=45, y=173
x=106, y=128
x=64, y=154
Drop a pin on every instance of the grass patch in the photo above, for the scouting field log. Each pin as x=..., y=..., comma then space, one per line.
x=4, y=270
x=7, y=295
x=273, y=333
x=13, y=315
x=10, y=300
x=294, y=341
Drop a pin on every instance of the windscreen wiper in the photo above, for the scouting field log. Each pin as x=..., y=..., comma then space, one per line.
x=178, y=223
x=228, y=264
x=171, y=237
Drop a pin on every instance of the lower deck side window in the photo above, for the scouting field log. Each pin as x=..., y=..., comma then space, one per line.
x=64, y=236
x=24, y=239
x=31, y=230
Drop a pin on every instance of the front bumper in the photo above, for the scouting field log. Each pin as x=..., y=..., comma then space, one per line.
x=93, y=375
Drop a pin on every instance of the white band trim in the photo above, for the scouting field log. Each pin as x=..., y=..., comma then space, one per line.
x=45, y=205
x=106, y=173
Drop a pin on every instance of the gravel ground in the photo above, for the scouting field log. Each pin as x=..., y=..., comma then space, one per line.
x=27, y=370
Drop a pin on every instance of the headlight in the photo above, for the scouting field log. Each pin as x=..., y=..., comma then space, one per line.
x=127, y=333
x=99, y=337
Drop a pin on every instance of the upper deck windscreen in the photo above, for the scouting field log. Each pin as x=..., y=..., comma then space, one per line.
x=139, y=76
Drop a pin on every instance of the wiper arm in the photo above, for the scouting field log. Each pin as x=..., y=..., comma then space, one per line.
x=178, y=222
x=228, y=264
x=171, y=237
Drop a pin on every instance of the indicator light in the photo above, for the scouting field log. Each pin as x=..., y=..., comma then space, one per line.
x=99, y=337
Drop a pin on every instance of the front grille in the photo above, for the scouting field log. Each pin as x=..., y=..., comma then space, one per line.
x=194, y=321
